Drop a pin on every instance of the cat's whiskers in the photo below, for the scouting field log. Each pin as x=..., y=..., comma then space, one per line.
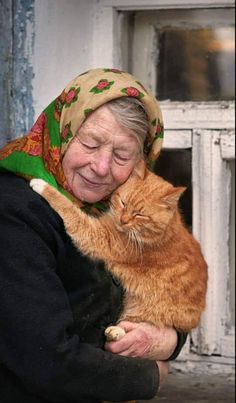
x=129, y=241
x=136, y=241
x=129, y=244
x=133, y=241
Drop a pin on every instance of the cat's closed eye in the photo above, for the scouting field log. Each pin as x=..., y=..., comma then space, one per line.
x=121, y=202
x=140, y=215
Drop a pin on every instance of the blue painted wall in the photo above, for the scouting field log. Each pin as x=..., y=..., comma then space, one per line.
x=16, y=71
x=5, y=68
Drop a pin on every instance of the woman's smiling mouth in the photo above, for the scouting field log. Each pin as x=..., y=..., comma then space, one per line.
x=91, y=183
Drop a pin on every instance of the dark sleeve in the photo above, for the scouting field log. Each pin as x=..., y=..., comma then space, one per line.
x=181, y=339
x=37, y=342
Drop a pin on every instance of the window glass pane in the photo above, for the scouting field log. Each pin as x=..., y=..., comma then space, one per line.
x=196, y=64
x=176, y=167
x=184, y=55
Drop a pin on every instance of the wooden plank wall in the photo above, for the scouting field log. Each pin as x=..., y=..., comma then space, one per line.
x=5, y=68
x=16, y=71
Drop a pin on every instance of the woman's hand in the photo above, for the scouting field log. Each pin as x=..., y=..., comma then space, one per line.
x=144, y=340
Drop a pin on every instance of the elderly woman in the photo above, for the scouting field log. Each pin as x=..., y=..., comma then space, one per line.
x=54, y=302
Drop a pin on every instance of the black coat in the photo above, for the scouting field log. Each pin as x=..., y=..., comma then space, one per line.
x=54, y=306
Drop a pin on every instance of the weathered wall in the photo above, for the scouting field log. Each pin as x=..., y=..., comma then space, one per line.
x=63, y=46
x=43, y=45
x=16, y=71
x=5, y=68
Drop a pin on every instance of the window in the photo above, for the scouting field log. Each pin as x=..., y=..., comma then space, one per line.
x=186, y=57
x=188, y=54
x=195, y=64
x=183, y=50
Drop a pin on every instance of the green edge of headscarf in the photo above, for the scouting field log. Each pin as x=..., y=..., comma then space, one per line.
x=24, y=165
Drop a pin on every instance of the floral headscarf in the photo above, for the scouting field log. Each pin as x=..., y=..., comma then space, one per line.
x=39, y=153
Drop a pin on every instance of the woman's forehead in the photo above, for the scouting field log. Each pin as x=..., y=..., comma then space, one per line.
x=122, y=139
x=101, y=124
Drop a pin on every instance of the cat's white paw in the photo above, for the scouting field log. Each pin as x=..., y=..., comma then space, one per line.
x=114, y=333
x=38, y=185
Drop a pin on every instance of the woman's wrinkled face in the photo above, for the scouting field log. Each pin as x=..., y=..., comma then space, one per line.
x=100, y=158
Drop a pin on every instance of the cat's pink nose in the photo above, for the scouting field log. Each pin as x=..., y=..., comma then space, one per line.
x=125, y=218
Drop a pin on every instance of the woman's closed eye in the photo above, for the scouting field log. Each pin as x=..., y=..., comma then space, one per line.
x=121, y=159
x=88, y=145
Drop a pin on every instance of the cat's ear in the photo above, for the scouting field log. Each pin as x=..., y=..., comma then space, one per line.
x=172, y=197
x=140, y=170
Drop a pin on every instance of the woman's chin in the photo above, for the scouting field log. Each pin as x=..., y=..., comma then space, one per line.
x=89, y=196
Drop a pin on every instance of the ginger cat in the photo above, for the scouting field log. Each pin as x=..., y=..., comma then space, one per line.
x=145, y=244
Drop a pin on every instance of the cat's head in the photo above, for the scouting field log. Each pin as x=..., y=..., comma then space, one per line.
x=144, y=205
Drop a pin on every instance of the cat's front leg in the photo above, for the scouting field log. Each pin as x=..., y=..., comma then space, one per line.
x=86, y=232
x=38, y=185
x=61, y=204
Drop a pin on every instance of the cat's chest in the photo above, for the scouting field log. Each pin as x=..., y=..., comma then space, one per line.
x=132, y=277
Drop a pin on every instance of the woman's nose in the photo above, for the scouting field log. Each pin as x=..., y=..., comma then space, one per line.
x=101, y=163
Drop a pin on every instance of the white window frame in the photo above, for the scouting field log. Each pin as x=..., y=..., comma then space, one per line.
x=164, y=4
x=106, y=23
x=213, y=143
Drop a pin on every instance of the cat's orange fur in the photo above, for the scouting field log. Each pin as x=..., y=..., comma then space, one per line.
x=145, y=244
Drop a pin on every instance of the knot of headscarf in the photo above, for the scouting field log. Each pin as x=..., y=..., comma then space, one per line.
x=39, y=153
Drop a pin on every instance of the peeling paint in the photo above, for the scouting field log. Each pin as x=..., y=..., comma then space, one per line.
x=16, y=70
x=5, y=68
x=23, y=43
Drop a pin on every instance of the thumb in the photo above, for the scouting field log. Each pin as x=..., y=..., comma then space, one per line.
x=127, y=326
